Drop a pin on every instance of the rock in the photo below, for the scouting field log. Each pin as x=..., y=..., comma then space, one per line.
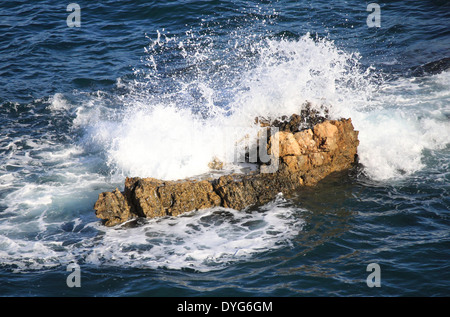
x=305, y=141
x=326, y=136
x=307, y=119
x=287, y=144
x=215, y=164
x=113, y=208
x=152, y=198
x=306, y=153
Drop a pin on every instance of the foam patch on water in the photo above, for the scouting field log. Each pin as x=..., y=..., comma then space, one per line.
x=201, y=240
x=59, y=103
x=408, y=117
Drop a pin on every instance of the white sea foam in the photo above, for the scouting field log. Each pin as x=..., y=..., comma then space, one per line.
x=408, y=116
x=202, y=240
x=166, y=143
x=58, y=103
x=174, y=135
x=161, y=135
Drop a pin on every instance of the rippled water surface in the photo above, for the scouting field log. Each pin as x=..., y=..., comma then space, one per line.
x=143, y=88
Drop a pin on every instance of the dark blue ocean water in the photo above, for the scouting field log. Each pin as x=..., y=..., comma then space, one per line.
x=126, y=92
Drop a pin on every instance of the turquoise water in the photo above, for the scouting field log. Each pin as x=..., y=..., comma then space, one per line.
x=145, y=88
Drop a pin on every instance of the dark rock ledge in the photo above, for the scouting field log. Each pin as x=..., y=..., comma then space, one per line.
x=310, y=147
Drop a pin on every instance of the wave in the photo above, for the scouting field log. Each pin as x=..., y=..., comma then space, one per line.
x=431, y=68
x=408, y=116
x=173, y=133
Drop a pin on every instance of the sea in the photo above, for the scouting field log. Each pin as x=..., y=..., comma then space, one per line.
x=92, y=92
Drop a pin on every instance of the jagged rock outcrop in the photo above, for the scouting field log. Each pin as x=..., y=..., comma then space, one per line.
x=310, y=147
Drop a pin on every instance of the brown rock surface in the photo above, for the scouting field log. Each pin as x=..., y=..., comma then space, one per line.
x=306, y=155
